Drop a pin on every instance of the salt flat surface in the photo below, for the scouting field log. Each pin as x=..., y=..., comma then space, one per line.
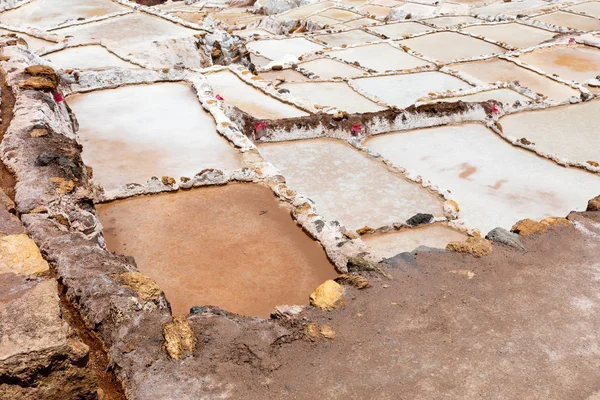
x=417, y=10
x=249, y=99
x=566, y=131
x=340, y=14
x=506, y=96
x=290, y=75
x=346, y=185
x=44, y=14
x=578, y=63
x=496, y=70
x=449, y=46
x=517, y=35
x=494, y=183
x=592, y=9
x=380, y=57
x=304, y=11
x=335, y=94
x=130, y=29
x=378, y=11
x=389, y=244
x=327, y=68
x=511, y=8
x=355, y=36
x=275, y=49
x=403, y=90
x=359, y=23
x=399, y=30
x=87, y=57
x=132, y=133
x=569, y=20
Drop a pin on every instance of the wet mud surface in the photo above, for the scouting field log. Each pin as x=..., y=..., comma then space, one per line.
x=232, y=246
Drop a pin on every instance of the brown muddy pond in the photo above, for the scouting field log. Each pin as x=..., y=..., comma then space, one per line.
x=231, y=246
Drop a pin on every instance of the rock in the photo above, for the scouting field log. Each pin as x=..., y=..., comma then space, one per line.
x=477, y=247
x=327, y=296
x=593, y=163
x=38, y=132
x=144, y=286
x=20, y=255
x=327, y=332
x=38, y=83
x=179, y=337
x=168, y=181
x=286, y=312
x=310, y=332
x=63, y=185
x=283, y=91
x=39, y=358
x=594, y=204
x=419, y=219
x=528, y=227
x=501, y=235
x=364, y=230
x=357, y=281
x=42, y=71
x=276, y=68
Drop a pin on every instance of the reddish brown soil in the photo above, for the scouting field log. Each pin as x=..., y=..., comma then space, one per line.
x=7, y=180
x=524, y=327
x=108, y=384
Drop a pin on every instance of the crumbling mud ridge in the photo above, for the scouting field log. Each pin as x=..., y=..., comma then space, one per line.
x=282, y=199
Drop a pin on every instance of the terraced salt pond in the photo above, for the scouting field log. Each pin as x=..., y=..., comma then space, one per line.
x=564, y=131
x=577, y=63
x=494, y=183
x=404, y=90
x=48, y=13
x=514, y=34
x=351, y=37
x=346, y=185
x=87, y=57
x=275, y=49
x=399, y=30
x=387, y=245
x=133, y=133
x=450, y=46
x=232, y=246
x=570, y=20
x=248, y=99
x=327, y=69
x=128, y=30
x=495, y=70
x=333, y=94
x=591, y=9
x=379, y=57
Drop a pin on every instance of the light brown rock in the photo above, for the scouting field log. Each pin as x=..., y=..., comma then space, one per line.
x=528, y=226
x=179, y=337
x=594, y=204
x=328, y=296
x=475, y=246
x=38, y=83
x=145, y=286
x=20, y=255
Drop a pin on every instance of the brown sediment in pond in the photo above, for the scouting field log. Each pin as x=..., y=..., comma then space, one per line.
x=232, y=246
x=7, y=180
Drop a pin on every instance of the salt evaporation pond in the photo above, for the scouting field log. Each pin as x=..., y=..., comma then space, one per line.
x=232, y=246
x=346, y=185
x=133, y=133
x=494, y=183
